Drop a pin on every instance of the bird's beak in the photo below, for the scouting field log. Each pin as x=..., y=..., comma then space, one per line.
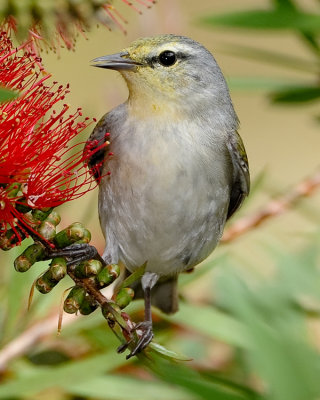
x=118, y=61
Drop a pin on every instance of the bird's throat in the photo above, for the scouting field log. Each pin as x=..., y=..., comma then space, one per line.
x=144, y=106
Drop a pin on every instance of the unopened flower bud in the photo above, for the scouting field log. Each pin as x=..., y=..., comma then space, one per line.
x=58, y=268
x=42, y=214
x=86, y=236
x=124, y=297
x=108, y=274
x=54, y=218
x=74, y=300
x=73, y=233
x=47, y=230
x=106, y=310
x=32, y=254
x=45, y=284
x=88, y=305
x=88, y=268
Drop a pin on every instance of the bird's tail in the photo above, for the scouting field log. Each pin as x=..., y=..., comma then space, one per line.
x=165, y=296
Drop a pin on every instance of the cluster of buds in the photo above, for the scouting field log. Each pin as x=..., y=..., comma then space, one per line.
x=39, y=170
x=93, y=273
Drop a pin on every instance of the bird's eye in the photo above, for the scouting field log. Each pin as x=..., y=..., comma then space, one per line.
x=167, y=58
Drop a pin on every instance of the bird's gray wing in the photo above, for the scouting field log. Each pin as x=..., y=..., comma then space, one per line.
x=97, y=138
x=241, y=178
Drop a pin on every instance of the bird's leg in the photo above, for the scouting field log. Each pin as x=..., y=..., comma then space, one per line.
x=75, y=253
x=149, y=279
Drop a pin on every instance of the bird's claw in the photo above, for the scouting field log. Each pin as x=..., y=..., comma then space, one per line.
x=75, y=253
x=145, y=336
x=123, y=347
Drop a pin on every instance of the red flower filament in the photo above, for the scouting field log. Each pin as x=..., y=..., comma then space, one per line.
x=37, y=166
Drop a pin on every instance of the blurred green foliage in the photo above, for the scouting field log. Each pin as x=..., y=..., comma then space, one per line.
x=264, y=320
x=254, y=336
x=282, y=15
x=7, y=94
x=59, y=22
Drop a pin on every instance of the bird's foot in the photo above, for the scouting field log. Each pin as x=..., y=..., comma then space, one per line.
x=145, y=335
x=75, y=253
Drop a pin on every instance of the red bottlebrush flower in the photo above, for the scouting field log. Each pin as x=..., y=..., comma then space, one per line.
x=37, y=166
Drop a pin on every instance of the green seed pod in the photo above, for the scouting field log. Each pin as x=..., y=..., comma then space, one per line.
x=124, y=297
x=22, y=263
x=42, y=214
x=73, y=233
x=32, y=254
x=88, y=305
x=58, y=269
x=45, y=284
x=54, y=218
x=86, y=236
x=47, y=230
x=106, y=313
x=108, y=274
x=88, y=268
x=74, y=300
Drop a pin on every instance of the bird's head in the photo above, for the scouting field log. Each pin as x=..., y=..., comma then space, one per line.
x=169, y=72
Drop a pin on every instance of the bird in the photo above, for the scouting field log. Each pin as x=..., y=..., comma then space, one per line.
x=178, y=169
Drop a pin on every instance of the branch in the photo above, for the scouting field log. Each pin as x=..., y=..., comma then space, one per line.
x=274, y=208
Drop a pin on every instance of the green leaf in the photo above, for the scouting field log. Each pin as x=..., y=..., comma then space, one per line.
x=187, y=378
x=285, y=4
x=7, y=94
x=137, y=274
x=271, y=57
x=259, y=83
x=210, y=322
x=165, y=353
x=298, y=94
x=267, y=19
x=280, y=353
x=38, y=379
x=117, y=387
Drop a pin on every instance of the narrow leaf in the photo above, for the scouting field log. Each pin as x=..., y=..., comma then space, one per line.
x=7, y=94
x=296, y=95
x=208, y=321
x=41, y=378
x=165, y=353
x=270, y=57
x=117, y=387
x=137, y=274
x=267, y=19
x=191, y=380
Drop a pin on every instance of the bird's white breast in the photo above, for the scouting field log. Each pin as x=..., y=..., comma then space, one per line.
x=166, y=199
